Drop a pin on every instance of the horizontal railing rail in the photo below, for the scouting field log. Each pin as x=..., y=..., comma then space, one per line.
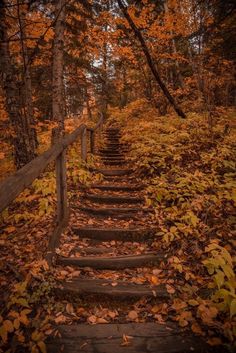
x=12, y=186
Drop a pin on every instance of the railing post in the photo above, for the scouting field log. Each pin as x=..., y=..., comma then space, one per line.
x=92, y=141
x=61, y=185
x=84, y=145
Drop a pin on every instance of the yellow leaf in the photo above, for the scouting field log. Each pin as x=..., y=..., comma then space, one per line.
x=193, y=302
x=233, y=308
x=42, y=346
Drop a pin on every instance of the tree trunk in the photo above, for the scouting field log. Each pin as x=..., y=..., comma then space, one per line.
x=58, y=105
x=28, y=103
x=177, y=67
x=150, y=61
x=23, y=152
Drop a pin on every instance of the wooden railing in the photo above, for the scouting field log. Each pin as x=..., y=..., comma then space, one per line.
x=11, y=187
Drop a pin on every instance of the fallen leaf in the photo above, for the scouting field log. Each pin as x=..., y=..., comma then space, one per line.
x=133, y=315
x=170, y=289
x=92, y=319
x=214, y=341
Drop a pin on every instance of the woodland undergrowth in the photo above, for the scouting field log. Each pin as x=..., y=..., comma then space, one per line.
x=188, y=167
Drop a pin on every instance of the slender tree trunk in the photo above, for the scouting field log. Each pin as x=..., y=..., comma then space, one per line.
x=22, y=149
x=28, y=102
x=58, y=105
x=104, y=103
x=174, y=49
x=150, y=61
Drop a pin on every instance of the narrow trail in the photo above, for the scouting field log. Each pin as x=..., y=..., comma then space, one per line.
x=110, y=251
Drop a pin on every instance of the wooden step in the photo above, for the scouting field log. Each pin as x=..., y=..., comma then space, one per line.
x=150, y=337
x=104, y=150
x=120, y=234
x=108, y=199
x=116, y=212
x=111, y=263
x=113, y=172
x=121, y=289
x=113, y=157
x=117, y=187
x=113, y=162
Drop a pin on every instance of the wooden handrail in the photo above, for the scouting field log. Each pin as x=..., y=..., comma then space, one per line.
x=12, y=186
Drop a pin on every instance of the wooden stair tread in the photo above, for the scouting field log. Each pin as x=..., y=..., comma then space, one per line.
x=145, y=338
x=109, y=199
x=117, y=212
x=117, y=187
x=121, y=289
x=122, y=234
x=113, y=172
x=112, y=262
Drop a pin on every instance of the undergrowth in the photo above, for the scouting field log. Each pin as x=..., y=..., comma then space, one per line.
x=188, y=167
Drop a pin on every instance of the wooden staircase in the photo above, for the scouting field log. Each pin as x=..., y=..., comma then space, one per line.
x=116, y=199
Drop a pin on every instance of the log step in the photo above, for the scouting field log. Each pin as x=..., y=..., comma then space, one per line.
x=119, y=234
x=105, y=151
x=113, y=172
x=112, y=157
x=121, y=289
x=117, y=187
x=111, y=263
x=116, y=212
x=113, y=162
x=150, y=337
x=113, y=199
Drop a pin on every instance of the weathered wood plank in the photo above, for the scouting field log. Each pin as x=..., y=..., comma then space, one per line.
x=117, y=187
x=121, y=290
x=135, y=234
x=109, y=199
x=144, y=338
x=113, y=172
x=111, y=263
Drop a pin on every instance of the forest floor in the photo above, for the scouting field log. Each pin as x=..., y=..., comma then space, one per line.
x=186, y=169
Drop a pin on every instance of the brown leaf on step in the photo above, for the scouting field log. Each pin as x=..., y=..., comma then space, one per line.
x=126, y=340
x=92, y=319
x=100, y=320
x=170, y=289
x=133, y=315
x=112, y=314
x=70, y=309
x=75, y=273
x=159, y=318
x=156, y=272
x=178, y=305
x=197, y=329
x=90, y=221
x=60, y=319
x=214, y=341
x=114, y=284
